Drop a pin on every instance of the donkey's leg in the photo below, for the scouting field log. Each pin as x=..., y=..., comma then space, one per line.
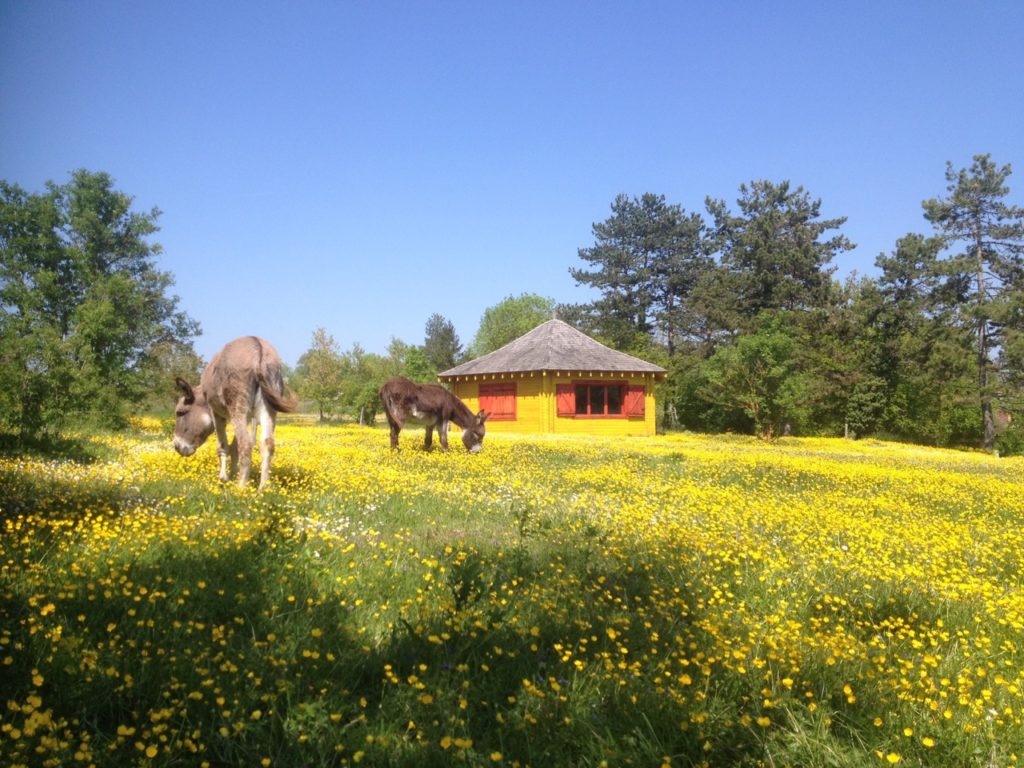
x=395, y=429
x=220, y=424
x=233, y=456
x=243, y=446
x=428, y=439
x=442, y=433
x=268, y=419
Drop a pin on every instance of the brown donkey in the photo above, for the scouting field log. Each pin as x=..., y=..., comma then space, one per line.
x=243, y=382
x=430, y=405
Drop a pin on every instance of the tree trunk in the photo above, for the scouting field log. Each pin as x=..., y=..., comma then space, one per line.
x=987, y=421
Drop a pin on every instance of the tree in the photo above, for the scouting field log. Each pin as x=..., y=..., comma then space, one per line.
x=167, y=360
x=622, y=261
x=441, y=344
x=758, y=374
x=510, y=319
x=921, y=350
x=320, y=372
x=364, y=373
x=837, y=359
x=647, y=258
x=887, y=354
x=772, y=253
x=408, y=360
x=989, y=271
x=82, y=305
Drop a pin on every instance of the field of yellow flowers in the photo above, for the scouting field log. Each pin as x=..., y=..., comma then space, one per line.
x=680, y=600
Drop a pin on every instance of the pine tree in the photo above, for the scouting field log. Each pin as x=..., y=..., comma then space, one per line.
x=986, y=269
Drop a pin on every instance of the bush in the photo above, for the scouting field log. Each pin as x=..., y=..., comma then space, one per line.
x=1010, y=442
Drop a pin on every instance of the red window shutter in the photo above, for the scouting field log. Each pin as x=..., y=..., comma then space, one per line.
x=635, y=400
x=499, y=400
x=565, y=399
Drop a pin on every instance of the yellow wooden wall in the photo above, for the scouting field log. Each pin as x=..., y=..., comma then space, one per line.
x=535, y=405
x=531, y=402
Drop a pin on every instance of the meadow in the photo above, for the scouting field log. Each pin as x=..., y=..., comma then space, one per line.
x=682, y=600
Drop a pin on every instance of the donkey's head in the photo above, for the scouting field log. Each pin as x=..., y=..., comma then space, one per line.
x=473, y=435
x=193, y=421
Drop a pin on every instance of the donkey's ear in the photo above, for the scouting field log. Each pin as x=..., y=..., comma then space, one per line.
x=482, y=416
x=186, y=389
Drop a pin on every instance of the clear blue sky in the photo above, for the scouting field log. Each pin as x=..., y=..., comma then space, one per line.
x=362, y=165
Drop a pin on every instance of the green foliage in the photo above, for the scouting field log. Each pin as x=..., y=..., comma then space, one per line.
x=441, y=344
x=320, y=374
x=758, y=375
x=865, y=405
x=984, y=281
x=918, y=347
x=347, y=383
x=84, y=312
x=1010, y=442
x=647, y=258
x=168, y=359
x=364, y=373
x=773, y=253
x=687, y=406
x=919, y=352
x=418, y=366
x=508, y=320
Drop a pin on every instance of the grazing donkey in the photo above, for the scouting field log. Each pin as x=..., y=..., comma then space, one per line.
x=242, y=382
x=430, y=405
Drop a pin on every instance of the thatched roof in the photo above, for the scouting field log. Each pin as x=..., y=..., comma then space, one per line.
x=553, y=346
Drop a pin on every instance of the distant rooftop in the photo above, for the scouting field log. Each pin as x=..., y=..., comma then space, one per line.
x=553, y=346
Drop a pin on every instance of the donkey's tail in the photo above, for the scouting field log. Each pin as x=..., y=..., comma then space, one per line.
x=281, y=403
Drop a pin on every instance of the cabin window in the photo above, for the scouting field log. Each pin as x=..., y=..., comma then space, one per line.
x=593, y=399
x=499, y=400
x=598, y=399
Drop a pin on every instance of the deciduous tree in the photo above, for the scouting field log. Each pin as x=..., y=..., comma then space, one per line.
x=759, y=375
x=509, y=319
x=82, y=304
x=320, y=373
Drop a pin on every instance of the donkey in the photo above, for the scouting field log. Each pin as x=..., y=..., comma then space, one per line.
x=430, y=405
x=243, y=382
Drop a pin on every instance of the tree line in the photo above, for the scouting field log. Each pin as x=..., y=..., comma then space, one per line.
x=741, y=305
x=345, y=383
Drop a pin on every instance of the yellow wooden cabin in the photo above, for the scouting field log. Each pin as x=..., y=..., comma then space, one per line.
x=556, y=379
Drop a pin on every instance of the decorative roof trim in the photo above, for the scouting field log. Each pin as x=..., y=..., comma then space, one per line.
x=564, y=374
